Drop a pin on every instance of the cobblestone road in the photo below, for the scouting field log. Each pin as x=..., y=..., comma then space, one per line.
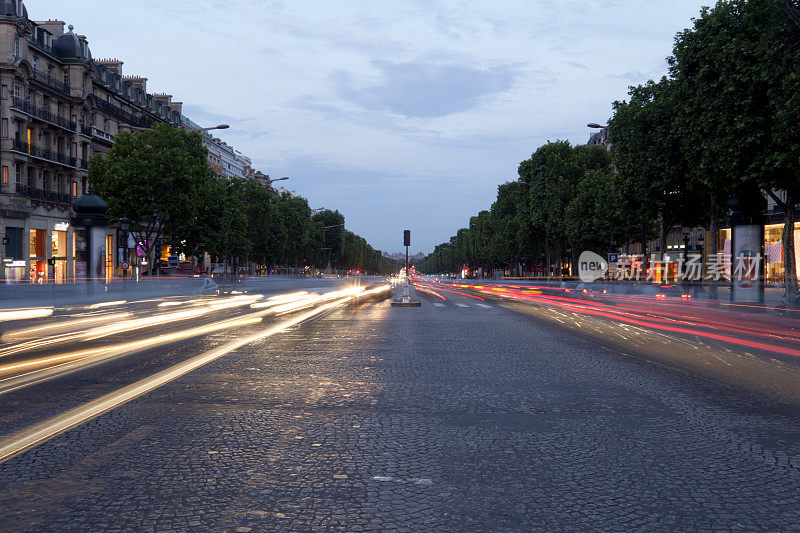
x=443, y=418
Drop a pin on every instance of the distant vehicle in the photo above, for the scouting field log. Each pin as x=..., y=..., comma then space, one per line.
x=672, y=291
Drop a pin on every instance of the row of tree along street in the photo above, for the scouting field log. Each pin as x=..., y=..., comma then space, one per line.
x=714, y=136
x=159, y=179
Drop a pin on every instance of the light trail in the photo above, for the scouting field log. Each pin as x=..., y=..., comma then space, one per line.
x=25, y=313
x=670, y=318
x=27, y=333
x=39, y=433
x=108, y=304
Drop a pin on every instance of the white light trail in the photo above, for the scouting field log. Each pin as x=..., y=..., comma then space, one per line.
x=35, y=435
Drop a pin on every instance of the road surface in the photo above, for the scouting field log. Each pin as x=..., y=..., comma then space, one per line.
x=466, y=414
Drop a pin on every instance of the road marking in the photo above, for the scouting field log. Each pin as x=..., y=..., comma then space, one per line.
x=438, y=305
x=462, y=305
x=484, y=306
x=38, y=433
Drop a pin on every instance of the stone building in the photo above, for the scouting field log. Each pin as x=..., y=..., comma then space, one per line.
x=58, y=107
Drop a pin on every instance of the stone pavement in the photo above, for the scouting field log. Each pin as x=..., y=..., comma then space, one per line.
x=442, y=418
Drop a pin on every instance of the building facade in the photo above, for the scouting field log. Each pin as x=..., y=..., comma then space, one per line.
x=58, y=107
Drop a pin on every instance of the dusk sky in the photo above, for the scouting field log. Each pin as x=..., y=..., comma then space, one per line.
x=404, y=114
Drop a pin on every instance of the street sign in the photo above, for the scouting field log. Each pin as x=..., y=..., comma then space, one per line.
x=125, y=265
x=613, y=258
x=407, y=237
x=172, y=261
x=6, y=240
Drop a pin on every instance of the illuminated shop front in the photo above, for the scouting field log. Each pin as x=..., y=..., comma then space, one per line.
x=59, y=253
x=38, y=255
x=773, y=249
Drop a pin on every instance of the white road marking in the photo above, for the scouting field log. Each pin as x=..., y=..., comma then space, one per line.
x=438, y=305
x=484, y=306
x=462, y=305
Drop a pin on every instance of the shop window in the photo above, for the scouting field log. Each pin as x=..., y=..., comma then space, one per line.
x=14, y=246
x=37, y=244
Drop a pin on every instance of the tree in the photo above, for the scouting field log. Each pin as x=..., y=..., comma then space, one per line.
x=653, y=173
x=156, y=178
x=738, y=77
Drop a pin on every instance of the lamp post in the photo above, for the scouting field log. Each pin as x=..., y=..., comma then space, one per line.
x=124, y=225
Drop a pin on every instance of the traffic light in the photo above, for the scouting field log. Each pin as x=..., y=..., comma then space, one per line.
x=51, y=262
x=158, y=252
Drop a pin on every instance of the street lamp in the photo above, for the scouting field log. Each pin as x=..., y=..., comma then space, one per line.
x=595, y=125
x=124, y=225
x=219, y=127
x=139, y=128
x=270, y=182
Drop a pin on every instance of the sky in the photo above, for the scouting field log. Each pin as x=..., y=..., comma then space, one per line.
x=402, y=115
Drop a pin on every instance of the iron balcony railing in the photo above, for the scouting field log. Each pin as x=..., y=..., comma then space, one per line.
x=59, y=85
x=42, y=153
x=43, y=114
x=129, y=118
x=40, y=45
x=86, y=130
x=40, y=194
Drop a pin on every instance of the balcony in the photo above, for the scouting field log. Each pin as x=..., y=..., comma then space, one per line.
x=129, y=118
x=33, y=193
x=86, y=130
x=50, y=81
x=102, y=135
x=40, y=46
x=42, y=153
x=42, y=114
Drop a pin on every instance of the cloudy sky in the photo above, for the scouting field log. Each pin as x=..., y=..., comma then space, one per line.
x=401, y=114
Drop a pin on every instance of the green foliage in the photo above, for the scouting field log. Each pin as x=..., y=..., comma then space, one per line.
x=156, y=178
x=161, y=181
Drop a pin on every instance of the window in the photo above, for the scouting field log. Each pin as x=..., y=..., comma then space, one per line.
x=17, y=48
x=74, y=152
x=18, y=173
x=14, y=246
x=83, y=186
x=5, y=92
x=17, y=91
x=5, y=175
x=5, y=128
x=30, y=176
x=74, y=189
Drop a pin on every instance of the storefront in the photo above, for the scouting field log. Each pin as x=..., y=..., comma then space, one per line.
x=38, y=255
x=14, y=264
x=773, y=250
x=59, y=253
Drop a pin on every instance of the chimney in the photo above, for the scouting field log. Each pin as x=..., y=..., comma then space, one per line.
x=114, y=65
x=177, y=106
x=138, y=82
x=165, y=99
x=56, y=27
